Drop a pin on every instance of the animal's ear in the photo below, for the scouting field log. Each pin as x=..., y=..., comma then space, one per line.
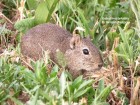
x=75, y=41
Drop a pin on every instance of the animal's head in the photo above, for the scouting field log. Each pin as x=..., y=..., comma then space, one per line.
x=82, y=56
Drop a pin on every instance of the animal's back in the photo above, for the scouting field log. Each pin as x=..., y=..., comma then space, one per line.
x=44, y=37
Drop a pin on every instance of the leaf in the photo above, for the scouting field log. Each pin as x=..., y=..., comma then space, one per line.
x=80, y=93
x=83, y=88
x=77, y=82
x=84, y=21
x=51, y=9
x=55, y=68
x=24, y=24
x=101, y=85
x=41, y=13
x=40, y=71
x=16, y=101
x=61, y=58
x=46, y=96
x=62, y=84
x=104, y=93
x=84, y=84
x=99, y=103
x=34, y=99
x=44, y=11
x=32, y=4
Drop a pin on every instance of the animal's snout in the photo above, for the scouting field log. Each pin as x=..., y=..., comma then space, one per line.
x=100, y=65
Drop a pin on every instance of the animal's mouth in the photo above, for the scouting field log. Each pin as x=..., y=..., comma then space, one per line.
x=89, y=73
x=83, y=71
x=99, y=68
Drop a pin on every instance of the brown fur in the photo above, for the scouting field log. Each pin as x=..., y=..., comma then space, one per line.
x=52, y=37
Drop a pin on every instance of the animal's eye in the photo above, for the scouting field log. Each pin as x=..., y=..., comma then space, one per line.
x=85, y=51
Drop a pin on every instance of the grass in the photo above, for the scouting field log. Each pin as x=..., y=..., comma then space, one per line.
x=114, y=28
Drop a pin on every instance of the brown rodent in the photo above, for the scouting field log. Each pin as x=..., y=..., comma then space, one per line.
x=81, y=55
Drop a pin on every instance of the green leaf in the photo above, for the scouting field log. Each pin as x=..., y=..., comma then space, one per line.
x=84, y=21
x=44, y=11
x=40, y=71
x=35, y=98
x=77, y=82
x=61, y=58
x=41, y=13
x=16, y=101
x=55, y=68
x=46, y=96
x=122, y=97
x=83, y=88
x=32, y=4
x=24, y=24
x=62, y=84
x=99, y=103
x=85, y=83
x=80, y=93
x=104, y=93
x=52, y=7
x=101, y=85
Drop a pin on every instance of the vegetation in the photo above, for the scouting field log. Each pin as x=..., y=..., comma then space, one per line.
x=113, y=25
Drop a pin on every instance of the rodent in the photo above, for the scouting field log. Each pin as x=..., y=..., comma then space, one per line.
x=81, y=55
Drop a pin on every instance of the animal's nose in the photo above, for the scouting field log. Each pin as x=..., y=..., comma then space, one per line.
x=100, y=65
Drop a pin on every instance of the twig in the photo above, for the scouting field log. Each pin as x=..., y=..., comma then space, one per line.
x=26, y=63
x=135, y=92
x=1, y=14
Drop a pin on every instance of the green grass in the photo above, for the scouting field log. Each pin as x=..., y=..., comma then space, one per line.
x=114, y=28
